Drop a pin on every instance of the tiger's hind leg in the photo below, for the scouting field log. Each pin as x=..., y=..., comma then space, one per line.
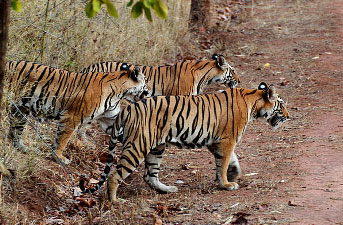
x=130, y=159
x=152, y=168
x=86, y=139
x=17, y=125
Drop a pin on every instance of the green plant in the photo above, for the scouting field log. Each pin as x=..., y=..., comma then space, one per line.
x=94, y=6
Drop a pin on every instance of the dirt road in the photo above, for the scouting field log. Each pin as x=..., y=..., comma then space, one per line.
x=303, y=42
x=319, y=199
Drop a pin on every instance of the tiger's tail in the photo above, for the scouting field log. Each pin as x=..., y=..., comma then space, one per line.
x=116, y=134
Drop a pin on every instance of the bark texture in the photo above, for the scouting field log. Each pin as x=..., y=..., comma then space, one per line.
x=4, y=21
x=199, y=14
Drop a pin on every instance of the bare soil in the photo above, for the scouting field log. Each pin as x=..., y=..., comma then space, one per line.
x=293, y=175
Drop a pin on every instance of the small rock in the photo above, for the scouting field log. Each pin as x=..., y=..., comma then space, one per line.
x=185, y=167
x=228, y=10
x=194, y=172
x=53, y=220
x=284, y=83
x=179, y=182
x=292, y=203
x=77, y=192
x=220, y=11
x=202, y=29
x=217, y=205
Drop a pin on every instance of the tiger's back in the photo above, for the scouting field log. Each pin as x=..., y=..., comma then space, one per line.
x=189, y=121
x=182, y=78
x=71, y=98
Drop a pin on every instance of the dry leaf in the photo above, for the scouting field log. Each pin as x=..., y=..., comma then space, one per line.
x=250, y=174
x=103, y=158
x=156, y=220
x=79, y=144
x=240, y=218
x=84, y=202
x=93, y=181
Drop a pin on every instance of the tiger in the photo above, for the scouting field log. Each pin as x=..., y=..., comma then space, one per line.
x=70, y=98
x=216, y=121
x=187, y=77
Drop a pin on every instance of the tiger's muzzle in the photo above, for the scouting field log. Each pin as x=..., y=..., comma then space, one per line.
x=231, y=78
x=276, y=120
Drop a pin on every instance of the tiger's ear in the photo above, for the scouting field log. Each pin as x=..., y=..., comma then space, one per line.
x=263, y=86
x=268, y=92
x=272, y=93
x=221, y=62
x=124, y=67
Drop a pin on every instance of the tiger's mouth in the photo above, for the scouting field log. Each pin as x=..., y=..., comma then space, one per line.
x=231, y=84
x=276, y=120
x=144, y=94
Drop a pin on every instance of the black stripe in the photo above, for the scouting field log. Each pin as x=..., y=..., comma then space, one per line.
x=233, y=114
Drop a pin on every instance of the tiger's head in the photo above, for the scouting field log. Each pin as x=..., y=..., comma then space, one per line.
x=225, y=73
x=136, y=85
x=271, y=106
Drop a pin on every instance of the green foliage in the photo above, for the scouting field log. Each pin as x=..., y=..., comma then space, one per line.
x=89, y=10
x=137, y=10
x=158, y=6
x=94, y=6
x=161, y=8
x=147, y=14
x=16, y=5
x=111, y=9
x=148, y=3
x=130, y=3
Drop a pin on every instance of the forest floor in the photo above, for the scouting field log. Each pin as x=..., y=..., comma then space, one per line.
x=293, y=175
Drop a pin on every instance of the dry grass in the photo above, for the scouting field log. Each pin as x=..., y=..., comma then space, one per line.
x=65, y=38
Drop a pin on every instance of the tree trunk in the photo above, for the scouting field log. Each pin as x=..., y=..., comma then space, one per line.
x=199, y=13
x=4, y=21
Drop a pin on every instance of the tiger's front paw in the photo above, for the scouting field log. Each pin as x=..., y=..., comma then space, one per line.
x=21, y=147
x=118, y=201
x=230, y=186
x=163, y=189
x=172, y=189
x=64, y=160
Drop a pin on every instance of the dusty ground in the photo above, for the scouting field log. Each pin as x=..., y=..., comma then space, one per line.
x=291, y=176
